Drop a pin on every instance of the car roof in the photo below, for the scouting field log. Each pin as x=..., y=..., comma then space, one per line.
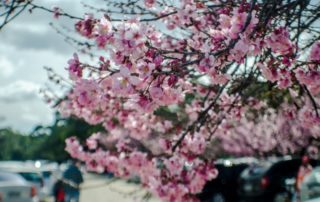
x=228, y=162
x=20, y=169
x=30, y=166
x=10, y=176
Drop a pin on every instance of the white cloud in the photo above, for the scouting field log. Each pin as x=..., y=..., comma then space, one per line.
x=27, y=44
x=19, y=91
x=25, y=115
x=6, y=67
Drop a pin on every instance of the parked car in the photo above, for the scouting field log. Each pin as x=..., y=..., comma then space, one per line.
x=224, y=187
x=42, y=173
x=33, y=176
x=50, y=173
x=14, y=188
x=267, y=181
x=310, y=188
x=313, y=200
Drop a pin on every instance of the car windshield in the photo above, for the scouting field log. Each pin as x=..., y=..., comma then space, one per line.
x=255, y=170
x=9, y=177
x=31, y=177
x=46, y=174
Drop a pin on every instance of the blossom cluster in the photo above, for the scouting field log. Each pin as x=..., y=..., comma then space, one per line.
x=173, y=179
x=161, y=120
x=284, y=131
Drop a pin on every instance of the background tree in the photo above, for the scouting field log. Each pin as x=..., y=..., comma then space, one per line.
x=53, y=145
x=15, y=146
x=45, y=142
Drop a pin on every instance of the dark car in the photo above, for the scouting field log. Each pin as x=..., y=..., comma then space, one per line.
x=267, y=182
x=224, y=187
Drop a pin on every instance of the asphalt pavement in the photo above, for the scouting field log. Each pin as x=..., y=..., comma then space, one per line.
x=100, y=188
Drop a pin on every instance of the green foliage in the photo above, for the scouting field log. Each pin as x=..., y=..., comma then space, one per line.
x=266, y=91
x=16, y=146
x=189, y=98
x=166, y=113
x=44, y=142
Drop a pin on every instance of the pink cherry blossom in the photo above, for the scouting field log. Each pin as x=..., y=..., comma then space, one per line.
x=104, y=26
x=124, y=82
x=149, y=3
x=176, y=86
x=75, y=69
x=315, y=52
x=279, y=41
x=56, y=12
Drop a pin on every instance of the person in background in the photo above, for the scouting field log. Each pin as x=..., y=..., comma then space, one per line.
x=58, y=191
x=72, y=178
x=303, y=171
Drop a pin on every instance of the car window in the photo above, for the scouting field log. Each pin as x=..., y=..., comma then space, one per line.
x=254, y=171
x=257, y=170
x=31, y=177
x=46, y=174
x=238, y=169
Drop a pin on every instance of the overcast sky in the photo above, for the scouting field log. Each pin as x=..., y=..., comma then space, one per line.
x=27, y=44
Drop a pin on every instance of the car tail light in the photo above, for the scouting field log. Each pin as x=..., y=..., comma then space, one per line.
x=33, y=192
x=264, y=182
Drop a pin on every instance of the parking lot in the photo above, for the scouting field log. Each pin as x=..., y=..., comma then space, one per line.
x=102, y=189
x=239, y=179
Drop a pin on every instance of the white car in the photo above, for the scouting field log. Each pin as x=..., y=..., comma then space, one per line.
x=32, y=176
x=310, y=188
x=41, y=174
x=14, y=188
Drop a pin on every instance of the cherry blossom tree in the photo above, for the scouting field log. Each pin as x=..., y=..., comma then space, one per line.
x=177, y=83
x=9, y=10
